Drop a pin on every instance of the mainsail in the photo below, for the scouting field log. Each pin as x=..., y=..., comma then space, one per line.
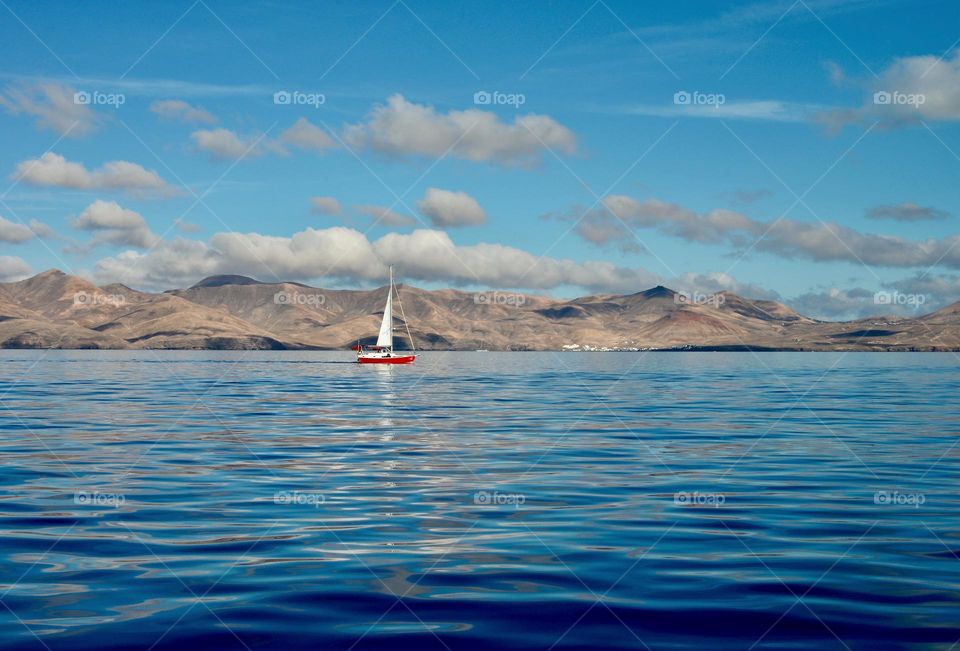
x=385, y=338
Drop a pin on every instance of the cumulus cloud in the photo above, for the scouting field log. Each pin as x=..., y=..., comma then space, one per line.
x=223, y=144
x=115, y=225
x=908, y=297
x=907, y=212
x=13, y=269
x=53, y=106
x=384, y=215
x=788, y=238
x=177, y=109
x=448, y=208
x=345, y=253
x=402, y=128
x=41, y=230
x=835, y=304
x=912, y=89
x=54, y=170
x=715, y=282
x=18, y=232
x=939, y=290
x=325, y=206
x=307, y=136
x=13, y=232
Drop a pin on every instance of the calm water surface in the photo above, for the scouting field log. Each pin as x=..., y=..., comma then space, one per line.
x=258, y=500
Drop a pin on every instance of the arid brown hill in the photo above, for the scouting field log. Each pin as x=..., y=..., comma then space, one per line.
x=55, y=310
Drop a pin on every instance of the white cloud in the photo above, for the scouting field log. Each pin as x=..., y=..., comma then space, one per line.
x=402, y=128
x=54, y=170
x=788, y=238
x=907, y=297
x=939, y=290
x=179, y=263
x=384, y=215
x=224, y=144
x=13, y=269
x=177, y=109
x=307, y=136
x=325, y=206
x=13, y=232
x=911, y=90
x=835, y=304
x=53, y=106
x=716, y=281
x=448, y=208
x=41, y=230
x=344, y=253
x=115, y=225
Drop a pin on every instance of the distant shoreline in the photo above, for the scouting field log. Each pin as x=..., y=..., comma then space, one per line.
x=677, y=349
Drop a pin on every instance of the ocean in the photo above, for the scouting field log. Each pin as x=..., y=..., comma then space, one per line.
x=296, y=500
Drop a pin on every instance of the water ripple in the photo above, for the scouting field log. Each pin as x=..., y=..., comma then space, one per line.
x=256, y=500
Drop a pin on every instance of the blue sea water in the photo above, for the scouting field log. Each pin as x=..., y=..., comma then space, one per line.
x=279, y=500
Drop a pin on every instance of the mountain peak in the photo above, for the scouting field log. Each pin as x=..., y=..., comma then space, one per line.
x=50, y=273
x=226, y=279
x=657, y=292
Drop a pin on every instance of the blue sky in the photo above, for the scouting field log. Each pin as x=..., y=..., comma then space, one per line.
x=707, y=146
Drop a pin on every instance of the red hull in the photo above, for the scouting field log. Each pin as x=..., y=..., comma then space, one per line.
x=403, y=359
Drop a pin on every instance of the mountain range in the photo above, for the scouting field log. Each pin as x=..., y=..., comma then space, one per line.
x=57, y=310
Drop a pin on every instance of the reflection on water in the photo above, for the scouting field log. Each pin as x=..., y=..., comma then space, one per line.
x=478, y=501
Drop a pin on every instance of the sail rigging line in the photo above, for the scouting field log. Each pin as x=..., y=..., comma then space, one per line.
x=405, y=324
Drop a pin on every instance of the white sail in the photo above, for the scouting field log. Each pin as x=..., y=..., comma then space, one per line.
x=385, y=338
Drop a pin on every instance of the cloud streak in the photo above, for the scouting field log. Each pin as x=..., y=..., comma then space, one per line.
x=53, y=106
x=177, y=109
x=819, y=242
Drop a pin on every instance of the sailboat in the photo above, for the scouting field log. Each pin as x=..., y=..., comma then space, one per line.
x=383, y=353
